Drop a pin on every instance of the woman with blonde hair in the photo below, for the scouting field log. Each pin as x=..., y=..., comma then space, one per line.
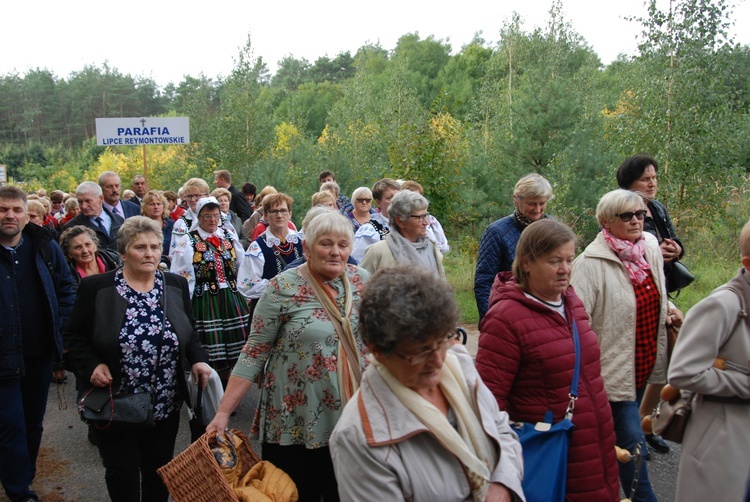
x=620, y=279
x=155, y=206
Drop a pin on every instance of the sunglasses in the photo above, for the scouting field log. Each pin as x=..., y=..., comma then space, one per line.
x=364, y=201
x=626, y=217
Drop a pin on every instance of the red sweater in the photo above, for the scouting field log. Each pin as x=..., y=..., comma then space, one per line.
x=526, y=357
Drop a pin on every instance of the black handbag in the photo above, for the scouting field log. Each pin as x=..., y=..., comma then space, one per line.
x=131, y=411
x=105, y=410
x=195, y=412
x=678, y=276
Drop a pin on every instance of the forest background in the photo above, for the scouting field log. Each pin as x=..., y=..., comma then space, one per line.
x=466, y=125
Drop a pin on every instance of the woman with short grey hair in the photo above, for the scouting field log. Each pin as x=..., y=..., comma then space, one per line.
x=497, y=248
x=420, y=379
x=125, y=337
x=407, y=243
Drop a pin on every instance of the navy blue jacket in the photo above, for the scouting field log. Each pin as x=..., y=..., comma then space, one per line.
x=496, y=253
x=130, y=209
x=59, y=296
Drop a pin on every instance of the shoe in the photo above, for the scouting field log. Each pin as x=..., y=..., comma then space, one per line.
x=657, y=443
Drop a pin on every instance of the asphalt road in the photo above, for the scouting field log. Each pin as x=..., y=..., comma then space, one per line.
x=69, y=467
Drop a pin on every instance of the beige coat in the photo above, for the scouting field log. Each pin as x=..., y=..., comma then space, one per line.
x=379, y=256
x=715, y=459
x=601, y=281
x=381, y=451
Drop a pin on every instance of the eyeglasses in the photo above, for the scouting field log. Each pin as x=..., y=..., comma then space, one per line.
x=210, y=217
x=364, y=201
x=196, y=196
x=421, y=217
x=420, y=357
x=626, y=217
x=282, y=212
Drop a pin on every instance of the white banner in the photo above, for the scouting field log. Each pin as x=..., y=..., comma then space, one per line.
x=143, y=131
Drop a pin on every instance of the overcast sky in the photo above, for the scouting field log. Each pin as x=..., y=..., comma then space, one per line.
x=168, y=39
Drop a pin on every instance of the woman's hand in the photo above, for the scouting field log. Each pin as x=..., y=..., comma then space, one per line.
x=201, y=373
x=219, y=423
x=101, y=377
x=674, y=317
x=498, y=493
x=670, y=250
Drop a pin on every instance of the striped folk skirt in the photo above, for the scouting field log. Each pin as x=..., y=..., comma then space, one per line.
x=223, y=323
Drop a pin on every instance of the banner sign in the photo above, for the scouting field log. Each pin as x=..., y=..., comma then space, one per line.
x=143, y=131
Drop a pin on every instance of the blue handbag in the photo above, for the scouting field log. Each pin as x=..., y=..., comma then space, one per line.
x=545, y=446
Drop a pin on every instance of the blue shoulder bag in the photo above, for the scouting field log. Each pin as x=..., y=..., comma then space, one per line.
x=545, y=446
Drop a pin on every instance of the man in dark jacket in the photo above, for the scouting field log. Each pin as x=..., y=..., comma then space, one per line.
x=95, y=216
x=36, y=295
x=111, y=185
x=239, y=204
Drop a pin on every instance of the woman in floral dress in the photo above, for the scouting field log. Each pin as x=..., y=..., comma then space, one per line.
x=305, y=335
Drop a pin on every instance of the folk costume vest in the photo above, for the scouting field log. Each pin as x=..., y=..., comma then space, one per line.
x=278, y=256
x=214, y=261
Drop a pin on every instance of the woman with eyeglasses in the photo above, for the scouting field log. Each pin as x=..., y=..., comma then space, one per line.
x=407, y=243
x=620, y=278
x=360, y=213
x=210, y=260
x=305, y=350
x=270, y=253
x=527, y=357
x=422, y=426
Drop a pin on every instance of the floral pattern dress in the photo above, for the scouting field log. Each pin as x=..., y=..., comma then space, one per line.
x=300, y=402
x=139, y=337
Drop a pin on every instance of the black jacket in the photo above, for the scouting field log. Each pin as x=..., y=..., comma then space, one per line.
x=92, y=332
x=59, y=295
x=239, y=204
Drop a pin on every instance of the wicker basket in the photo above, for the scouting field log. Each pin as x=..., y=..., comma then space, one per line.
x=195, y=476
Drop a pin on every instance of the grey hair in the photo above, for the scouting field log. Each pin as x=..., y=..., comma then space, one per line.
x=321, y=220
x=404, y=204
x=361, y=192
x=533, y=185
x=73, y=232
x=70, y=204
x=331, y=186
x=89, y=188
x=616, y=201
x=107, y=174
x=405, y=304
x=134, y=226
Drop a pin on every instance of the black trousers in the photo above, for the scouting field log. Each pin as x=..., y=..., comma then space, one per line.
x=310, y=469
x=131, y=458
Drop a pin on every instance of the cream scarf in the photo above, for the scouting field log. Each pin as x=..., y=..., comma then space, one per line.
x=470, y=443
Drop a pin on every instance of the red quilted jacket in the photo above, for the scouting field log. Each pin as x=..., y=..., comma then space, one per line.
x=526, y=358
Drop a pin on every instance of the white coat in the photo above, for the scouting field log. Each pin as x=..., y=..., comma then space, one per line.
x=602, y=282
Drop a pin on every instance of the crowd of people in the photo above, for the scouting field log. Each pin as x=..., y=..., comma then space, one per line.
x=348, y=328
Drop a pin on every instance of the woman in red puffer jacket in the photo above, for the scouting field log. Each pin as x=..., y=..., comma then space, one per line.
x=526, y=356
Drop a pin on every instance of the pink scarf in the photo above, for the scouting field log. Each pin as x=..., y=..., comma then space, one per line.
x=631, y=255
